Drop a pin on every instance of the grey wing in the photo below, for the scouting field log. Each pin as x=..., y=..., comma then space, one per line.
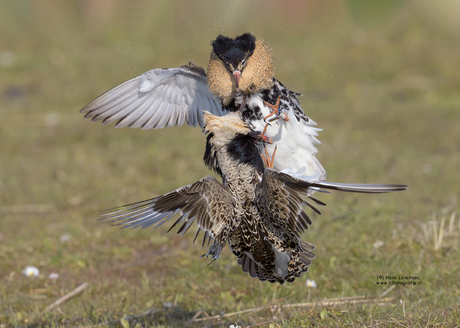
x=207, y=201
x=156, y=99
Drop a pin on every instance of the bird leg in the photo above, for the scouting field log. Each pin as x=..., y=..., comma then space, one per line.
x=263, y=137
x=267, y=160
x=266, y=139
x=275, y=110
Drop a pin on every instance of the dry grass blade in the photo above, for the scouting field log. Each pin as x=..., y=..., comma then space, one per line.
x=441, y=232
x=67, y=296
x=387, y=291
x=260, y=324
x=199, y=313
x=451, y=223
x=338, y=301
x=252, y=310
x=345, y=298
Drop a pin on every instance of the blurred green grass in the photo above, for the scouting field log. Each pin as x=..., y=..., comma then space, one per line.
x=382, y=82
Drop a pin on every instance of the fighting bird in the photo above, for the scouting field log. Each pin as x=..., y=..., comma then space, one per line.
x=240, y=77
x=256, y=210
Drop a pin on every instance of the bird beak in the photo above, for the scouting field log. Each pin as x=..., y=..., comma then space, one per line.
x=237, y=75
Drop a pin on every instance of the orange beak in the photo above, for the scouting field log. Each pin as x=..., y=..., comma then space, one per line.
x=237, y=75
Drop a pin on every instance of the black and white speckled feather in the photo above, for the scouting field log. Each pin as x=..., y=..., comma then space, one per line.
x=295, y=139
x=168, y=97
x=257, y=211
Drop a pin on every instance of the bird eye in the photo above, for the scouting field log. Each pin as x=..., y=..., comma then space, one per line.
x=243, y=62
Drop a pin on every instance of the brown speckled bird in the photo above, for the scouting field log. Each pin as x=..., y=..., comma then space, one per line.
x=240, y=77
x=257, y=210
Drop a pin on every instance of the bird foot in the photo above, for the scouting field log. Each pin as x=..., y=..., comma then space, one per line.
x=275, y=110
x=263, y=137
x=267, y=160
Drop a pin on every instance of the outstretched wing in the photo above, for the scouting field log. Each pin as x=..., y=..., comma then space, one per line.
x=159, y=98
x=207, y=201
x=282, y=195
x=280, y=256
x=279, y=202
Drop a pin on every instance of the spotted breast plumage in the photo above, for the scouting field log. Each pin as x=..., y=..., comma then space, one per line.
x=240, y=77
x=256, y=210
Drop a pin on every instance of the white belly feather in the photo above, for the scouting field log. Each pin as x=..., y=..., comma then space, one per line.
x=295, y=141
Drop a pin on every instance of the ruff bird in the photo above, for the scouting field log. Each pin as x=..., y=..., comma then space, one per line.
x=256, y=210
x=240, y=77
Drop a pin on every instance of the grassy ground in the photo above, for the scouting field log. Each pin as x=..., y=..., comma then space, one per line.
x=382, y=80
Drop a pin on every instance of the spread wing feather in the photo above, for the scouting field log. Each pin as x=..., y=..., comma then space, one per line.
x=207, y=201
x=281, y=207
x=279, y=201
x=282, y=195
x=156, y=99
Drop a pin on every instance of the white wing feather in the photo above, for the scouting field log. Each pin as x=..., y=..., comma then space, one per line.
x=156, y=99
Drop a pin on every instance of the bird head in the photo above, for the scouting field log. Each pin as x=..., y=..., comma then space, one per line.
x=234, y=53
x=241, y=64
x=230, y=134
x=225, y=127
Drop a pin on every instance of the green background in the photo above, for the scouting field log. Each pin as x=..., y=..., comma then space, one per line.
x=380, y=77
